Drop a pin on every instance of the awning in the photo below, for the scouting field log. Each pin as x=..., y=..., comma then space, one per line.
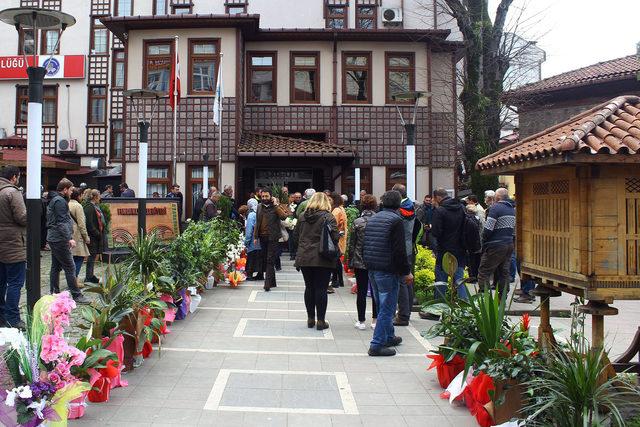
x=18, y=157
x=82, y=171
x=253, y=144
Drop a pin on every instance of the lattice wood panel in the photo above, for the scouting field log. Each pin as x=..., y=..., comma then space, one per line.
x=29, y=3
x=98, y=70
x=550, y=226
x=49, y=137
x=632, y=185
x=96, y=140
x=100, y=7
x=52, y=4
x=116, y=43
x=117, y=104
x=632, y=226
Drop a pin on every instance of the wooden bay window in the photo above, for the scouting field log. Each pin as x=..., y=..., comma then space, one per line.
x=158, y=179
x=262, y=77
x=305, y=77
x=336, y=14
x=158, y=57
x=97, y=111
x=356, y=77
x=99, y=38
x=400, y=74
x=117, y=139
x=204, y=59
x=366, y=14
x=49, y=105
x=117, y=77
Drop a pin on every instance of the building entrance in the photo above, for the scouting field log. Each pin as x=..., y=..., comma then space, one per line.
x=296, y=180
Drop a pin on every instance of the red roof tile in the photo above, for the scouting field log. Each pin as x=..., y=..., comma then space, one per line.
x=623, y=68
x=612, y=128
x=18, y=157
x=253, y=144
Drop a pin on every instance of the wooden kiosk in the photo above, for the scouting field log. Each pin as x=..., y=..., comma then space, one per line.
x=578, y=209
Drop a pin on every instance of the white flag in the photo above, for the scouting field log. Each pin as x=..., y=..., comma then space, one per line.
x=217, y=102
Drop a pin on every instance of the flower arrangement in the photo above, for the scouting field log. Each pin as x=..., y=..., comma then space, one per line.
x=290, y=222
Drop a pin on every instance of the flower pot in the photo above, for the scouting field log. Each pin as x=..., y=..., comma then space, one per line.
x=446, y=371
x=101, y=391
x=116, y=347
x=129, y=325
x=77, y=406
x=183, y=306
x=509, y=393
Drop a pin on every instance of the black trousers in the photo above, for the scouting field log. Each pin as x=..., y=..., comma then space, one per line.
x=496, y=259
x=316, y=282
x=269, y=253
x=62, y=259
x=474, y=264
x=337, y=281
x=362, y=280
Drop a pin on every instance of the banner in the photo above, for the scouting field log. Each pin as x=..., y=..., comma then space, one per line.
x=162, y=218
x=57, y=66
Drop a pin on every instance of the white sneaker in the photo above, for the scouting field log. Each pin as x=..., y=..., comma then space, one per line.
x=373, y=326
x=360, y=325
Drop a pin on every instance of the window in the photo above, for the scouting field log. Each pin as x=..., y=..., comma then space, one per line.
x=349, y=183
x=124, y=8
x=195, y=185
x=366, y=15
x=261, y=76
x=97, y=105
x=400, y=69
x=235, y=7
x=305, y=77
x=117, y=139
x=118, y=69
x=396, y=175
x=204, y=58
x=49, y=105
x=26, y=43
x=99, y=38
x=157, y=65
x=157, y=181
x=181, y=9
x=336, y=14
x=160, y=7
x=356, y=77
x=49, y=42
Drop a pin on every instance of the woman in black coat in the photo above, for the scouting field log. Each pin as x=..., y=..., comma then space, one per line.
x=316, y=269
x=95, y=227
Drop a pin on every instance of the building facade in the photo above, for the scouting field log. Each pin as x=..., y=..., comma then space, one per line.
x=308, y=91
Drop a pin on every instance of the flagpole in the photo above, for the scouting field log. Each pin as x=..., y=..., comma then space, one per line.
x=220, y=106
x=174, y=148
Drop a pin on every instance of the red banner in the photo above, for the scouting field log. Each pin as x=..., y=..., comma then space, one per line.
x=57, y=66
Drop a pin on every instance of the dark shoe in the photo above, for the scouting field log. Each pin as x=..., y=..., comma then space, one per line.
x=311, y=323
x=428, y=316
x=322, y=324
x=267, y=288
x=19, y=325
x=383, y=351
x=54, y=291
x=399, y=322
x=330, y=290
x=93, y=279
x=3, y=324
x=251, y=279
x=81, y=299
x=394, y=342
x=259, y=277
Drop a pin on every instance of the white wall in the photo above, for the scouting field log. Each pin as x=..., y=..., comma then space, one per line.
x=378, y=178
x=228, y=175
x=422, y=182
x=443, y=178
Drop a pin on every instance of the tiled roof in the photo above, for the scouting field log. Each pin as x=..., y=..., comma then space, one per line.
x=612, y=128
x=253, y=144
x=18, y=157
x=623, y=68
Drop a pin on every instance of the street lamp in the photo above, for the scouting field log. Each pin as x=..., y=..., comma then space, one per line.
x=410, y=129
x=140, y=95
x=35, y=19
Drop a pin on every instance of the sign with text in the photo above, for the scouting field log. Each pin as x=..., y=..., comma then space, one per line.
x=162, y=218
x=57, y=66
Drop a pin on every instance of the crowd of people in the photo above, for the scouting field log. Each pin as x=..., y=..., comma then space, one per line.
x=380, y=248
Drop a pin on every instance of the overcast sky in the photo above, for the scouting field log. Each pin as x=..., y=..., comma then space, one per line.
x=576, y=33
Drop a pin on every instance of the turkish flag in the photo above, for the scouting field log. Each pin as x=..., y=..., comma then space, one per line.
x=174, y=84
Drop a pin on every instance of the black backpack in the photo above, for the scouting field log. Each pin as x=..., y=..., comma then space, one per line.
x=328, y=249
x=470, y=233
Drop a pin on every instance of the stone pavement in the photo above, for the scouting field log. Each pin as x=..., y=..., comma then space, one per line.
x=247, y=358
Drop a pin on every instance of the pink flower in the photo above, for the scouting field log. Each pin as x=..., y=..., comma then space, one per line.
x=53, y=346
x=53, y=378
x=76, y=356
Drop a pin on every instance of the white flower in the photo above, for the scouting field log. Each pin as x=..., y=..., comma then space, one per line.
x=38, y=407
x=24, y=392
x=11, y=398
x=149, y=287
x=12, y=336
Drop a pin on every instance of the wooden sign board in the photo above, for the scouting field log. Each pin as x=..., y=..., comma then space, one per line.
x=162, y=218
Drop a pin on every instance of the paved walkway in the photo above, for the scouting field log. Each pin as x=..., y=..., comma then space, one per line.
x=247, y=358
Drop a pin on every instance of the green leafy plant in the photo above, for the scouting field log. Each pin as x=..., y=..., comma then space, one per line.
x=424, y=276
x=148, y=254
x=97, y=355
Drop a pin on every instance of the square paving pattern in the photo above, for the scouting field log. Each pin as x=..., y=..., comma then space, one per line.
x=282, y=391
x=296, y=296
x=279, y=328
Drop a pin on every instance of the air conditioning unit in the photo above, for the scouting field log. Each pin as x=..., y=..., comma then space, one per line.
x=68, y=145
x=391, y=15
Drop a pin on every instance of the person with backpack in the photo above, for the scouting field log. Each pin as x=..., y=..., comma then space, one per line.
x=497, y=242
x=315, y=233
x=448, y=228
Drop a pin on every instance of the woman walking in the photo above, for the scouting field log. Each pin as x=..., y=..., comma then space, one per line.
x=252, y=244
x=95, y=228
x=368, y=205
x=316, y=269
x=340, y=215
x=80, y=235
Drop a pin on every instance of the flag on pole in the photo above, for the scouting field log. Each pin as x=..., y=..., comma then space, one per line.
x=217, y=102
x=174, y=84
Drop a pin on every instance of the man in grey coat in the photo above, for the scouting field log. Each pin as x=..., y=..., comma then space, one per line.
x=13, y=249
x=60, y=239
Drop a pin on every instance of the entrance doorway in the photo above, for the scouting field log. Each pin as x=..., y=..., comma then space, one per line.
x=296, y=180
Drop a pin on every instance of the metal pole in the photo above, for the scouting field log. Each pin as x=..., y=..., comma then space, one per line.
x=356, y=179
x=410, y=128
x=34, y=169
x=143, y=152
x=205, y=176
x=174, y=148
x=220, y=149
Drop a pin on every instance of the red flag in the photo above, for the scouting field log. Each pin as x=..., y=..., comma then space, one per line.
x=174, y=84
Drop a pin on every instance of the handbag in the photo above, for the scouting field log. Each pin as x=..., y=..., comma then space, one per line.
x=328, y=249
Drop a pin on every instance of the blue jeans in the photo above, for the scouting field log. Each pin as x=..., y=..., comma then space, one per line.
x=442, y=276
x=12, y=277
x=385, y=288
x=513, y=267
x=78, y=260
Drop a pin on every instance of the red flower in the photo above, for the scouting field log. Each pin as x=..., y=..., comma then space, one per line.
x=111, y=370
x=524, y=325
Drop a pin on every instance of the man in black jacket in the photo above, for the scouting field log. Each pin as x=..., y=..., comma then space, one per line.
x=270, y=213
x=60, y=239
x=446, y=227
x=385, y=256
